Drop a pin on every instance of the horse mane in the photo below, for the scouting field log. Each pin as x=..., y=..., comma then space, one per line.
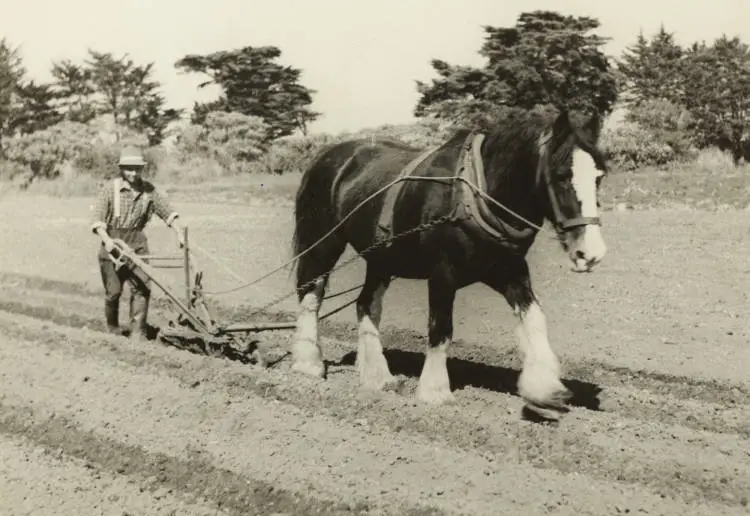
x=520, y=132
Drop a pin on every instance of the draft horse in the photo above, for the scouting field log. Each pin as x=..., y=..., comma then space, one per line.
x=490, y=194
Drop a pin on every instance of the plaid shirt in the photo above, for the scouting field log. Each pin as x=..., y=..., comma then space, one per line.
x=135, y=208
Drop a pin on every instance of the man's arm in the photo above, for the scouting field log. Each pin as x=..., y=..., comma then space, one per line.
x=99, y=217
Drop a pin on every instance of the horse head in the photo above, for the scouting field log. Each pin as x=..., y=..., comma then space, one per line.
x=571, y=168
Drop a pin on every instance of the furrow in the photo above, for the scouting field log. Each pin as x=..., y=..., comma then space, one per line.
x=701, y=406
x=38, y=477
x=675, y=462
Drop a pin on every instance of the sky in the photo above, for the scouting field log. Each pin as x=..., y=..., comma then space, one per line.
x=362, y=57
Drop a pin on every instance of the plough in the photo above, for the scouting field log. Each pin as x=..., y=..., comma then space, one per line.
x=195, y=327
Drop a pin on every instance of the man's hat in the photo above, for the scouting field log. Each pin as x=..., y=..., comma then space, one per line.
x=131, y=156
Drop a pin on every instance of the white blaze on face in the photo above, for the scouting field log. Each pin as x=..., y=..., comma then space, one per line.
x=584, y=182
x=584, y=179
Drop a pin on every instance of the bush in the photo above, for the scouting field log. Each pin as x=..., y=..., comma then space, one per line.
x=668, y=123
x=292, y=154
x=43, y=154
x=423, y=134
x=630, y=146
x=232, y=140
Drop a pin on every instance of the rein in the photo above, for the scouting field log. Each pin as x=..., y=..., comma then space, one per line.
x=471, y=175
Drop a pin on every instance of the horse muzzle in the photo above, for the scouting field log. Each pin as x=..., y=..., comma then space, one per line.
x=586, y=248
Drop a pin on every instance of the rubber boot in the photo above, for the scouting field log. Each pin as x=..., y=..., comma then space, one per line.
x=112, y=316
x=138, y=315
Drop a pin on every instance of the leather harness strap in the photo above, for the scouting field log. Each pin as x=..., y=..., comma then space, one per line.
x=543, y=175
x=385, y=221
x=472, y=169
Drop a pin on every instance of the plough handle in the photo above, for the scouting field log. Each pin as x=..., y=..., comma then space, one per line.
x=119, y=252
x=125, y=251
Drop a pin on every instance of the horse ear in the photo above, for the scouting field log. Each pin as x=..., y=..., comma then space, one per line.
x=562, y=124
x=594, y=125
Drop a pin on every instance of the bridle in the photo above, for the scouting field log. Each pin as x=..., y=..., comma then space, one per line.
x=543, y=174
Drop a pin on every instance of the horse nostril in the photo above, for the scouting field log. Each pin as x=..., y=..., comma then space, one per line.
x=580, y=254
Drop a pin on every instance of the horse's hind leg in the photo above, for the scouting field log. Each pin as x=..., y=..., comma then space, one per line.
x=312, y=279
x=371, y=363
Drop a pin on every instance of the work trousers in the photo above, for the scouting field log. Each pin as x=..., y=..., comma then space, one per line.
x=114, y=281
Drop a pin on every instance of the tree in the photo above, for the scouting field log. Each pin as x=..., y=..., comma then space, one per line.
x=545, y=60
x=75, y=91
x=153, y=119
x=254, y=85
x=114, y=86
x=716, y=92
x=651, y=70
x=36, y=109
x=130, y=94
x=12, y=73
x=25, y=106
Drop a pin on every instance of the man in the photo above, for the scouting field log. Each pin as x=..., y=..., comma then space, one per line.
x=123, y=208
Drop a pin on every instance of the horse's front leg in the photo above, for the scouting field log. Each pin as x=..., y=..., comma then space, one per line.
x=434, y=384
x=539, y=384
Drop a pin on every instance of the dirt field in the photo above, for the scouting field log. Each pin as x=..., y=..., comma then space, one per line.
x=654, y=345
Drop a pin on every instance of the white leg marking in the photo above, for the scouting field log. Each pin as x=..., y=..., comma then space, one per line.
x=540, y=379
x=371, y=363
x=434, y=384
x=306, y=353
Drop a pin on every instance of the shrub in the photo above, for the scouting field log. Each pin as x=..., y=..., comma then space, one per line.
x=43, y=154
x=667, y=122
x=630, y=146
x=232, y=140
x=422, y=134
x=292, y=154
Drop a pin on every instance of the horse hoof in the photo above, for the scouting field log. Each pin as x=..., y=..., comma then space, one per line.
x=552, y=407
x=543, y=391
x=378, y=383
x=543, y=413
x=436, y=396
x=316, y=370
x=560, y=397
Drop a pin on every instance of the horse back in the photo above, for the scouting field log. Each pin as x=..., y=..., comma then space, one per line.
x=370, y=167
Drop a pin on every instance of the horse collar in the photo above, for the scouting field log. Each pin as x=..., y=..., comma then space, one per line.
x=471, y=170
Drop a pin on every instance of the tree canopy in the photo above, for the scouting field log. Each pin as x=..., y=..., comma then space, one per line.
x=711, y=83
x=253, y=84
x=652, y=69
x=546, y=59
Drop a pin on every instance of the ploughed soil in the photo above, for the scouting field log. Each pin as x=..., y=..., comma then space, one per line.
x=653, y=345
x=97, y=424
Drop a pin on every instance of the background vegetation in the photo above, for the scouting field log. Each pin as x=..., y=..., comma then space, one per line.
x=682, y=136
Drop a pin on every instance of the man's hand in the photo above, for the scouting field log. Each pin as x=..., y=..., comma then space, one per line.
x=178, y=231
x=109, y=244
